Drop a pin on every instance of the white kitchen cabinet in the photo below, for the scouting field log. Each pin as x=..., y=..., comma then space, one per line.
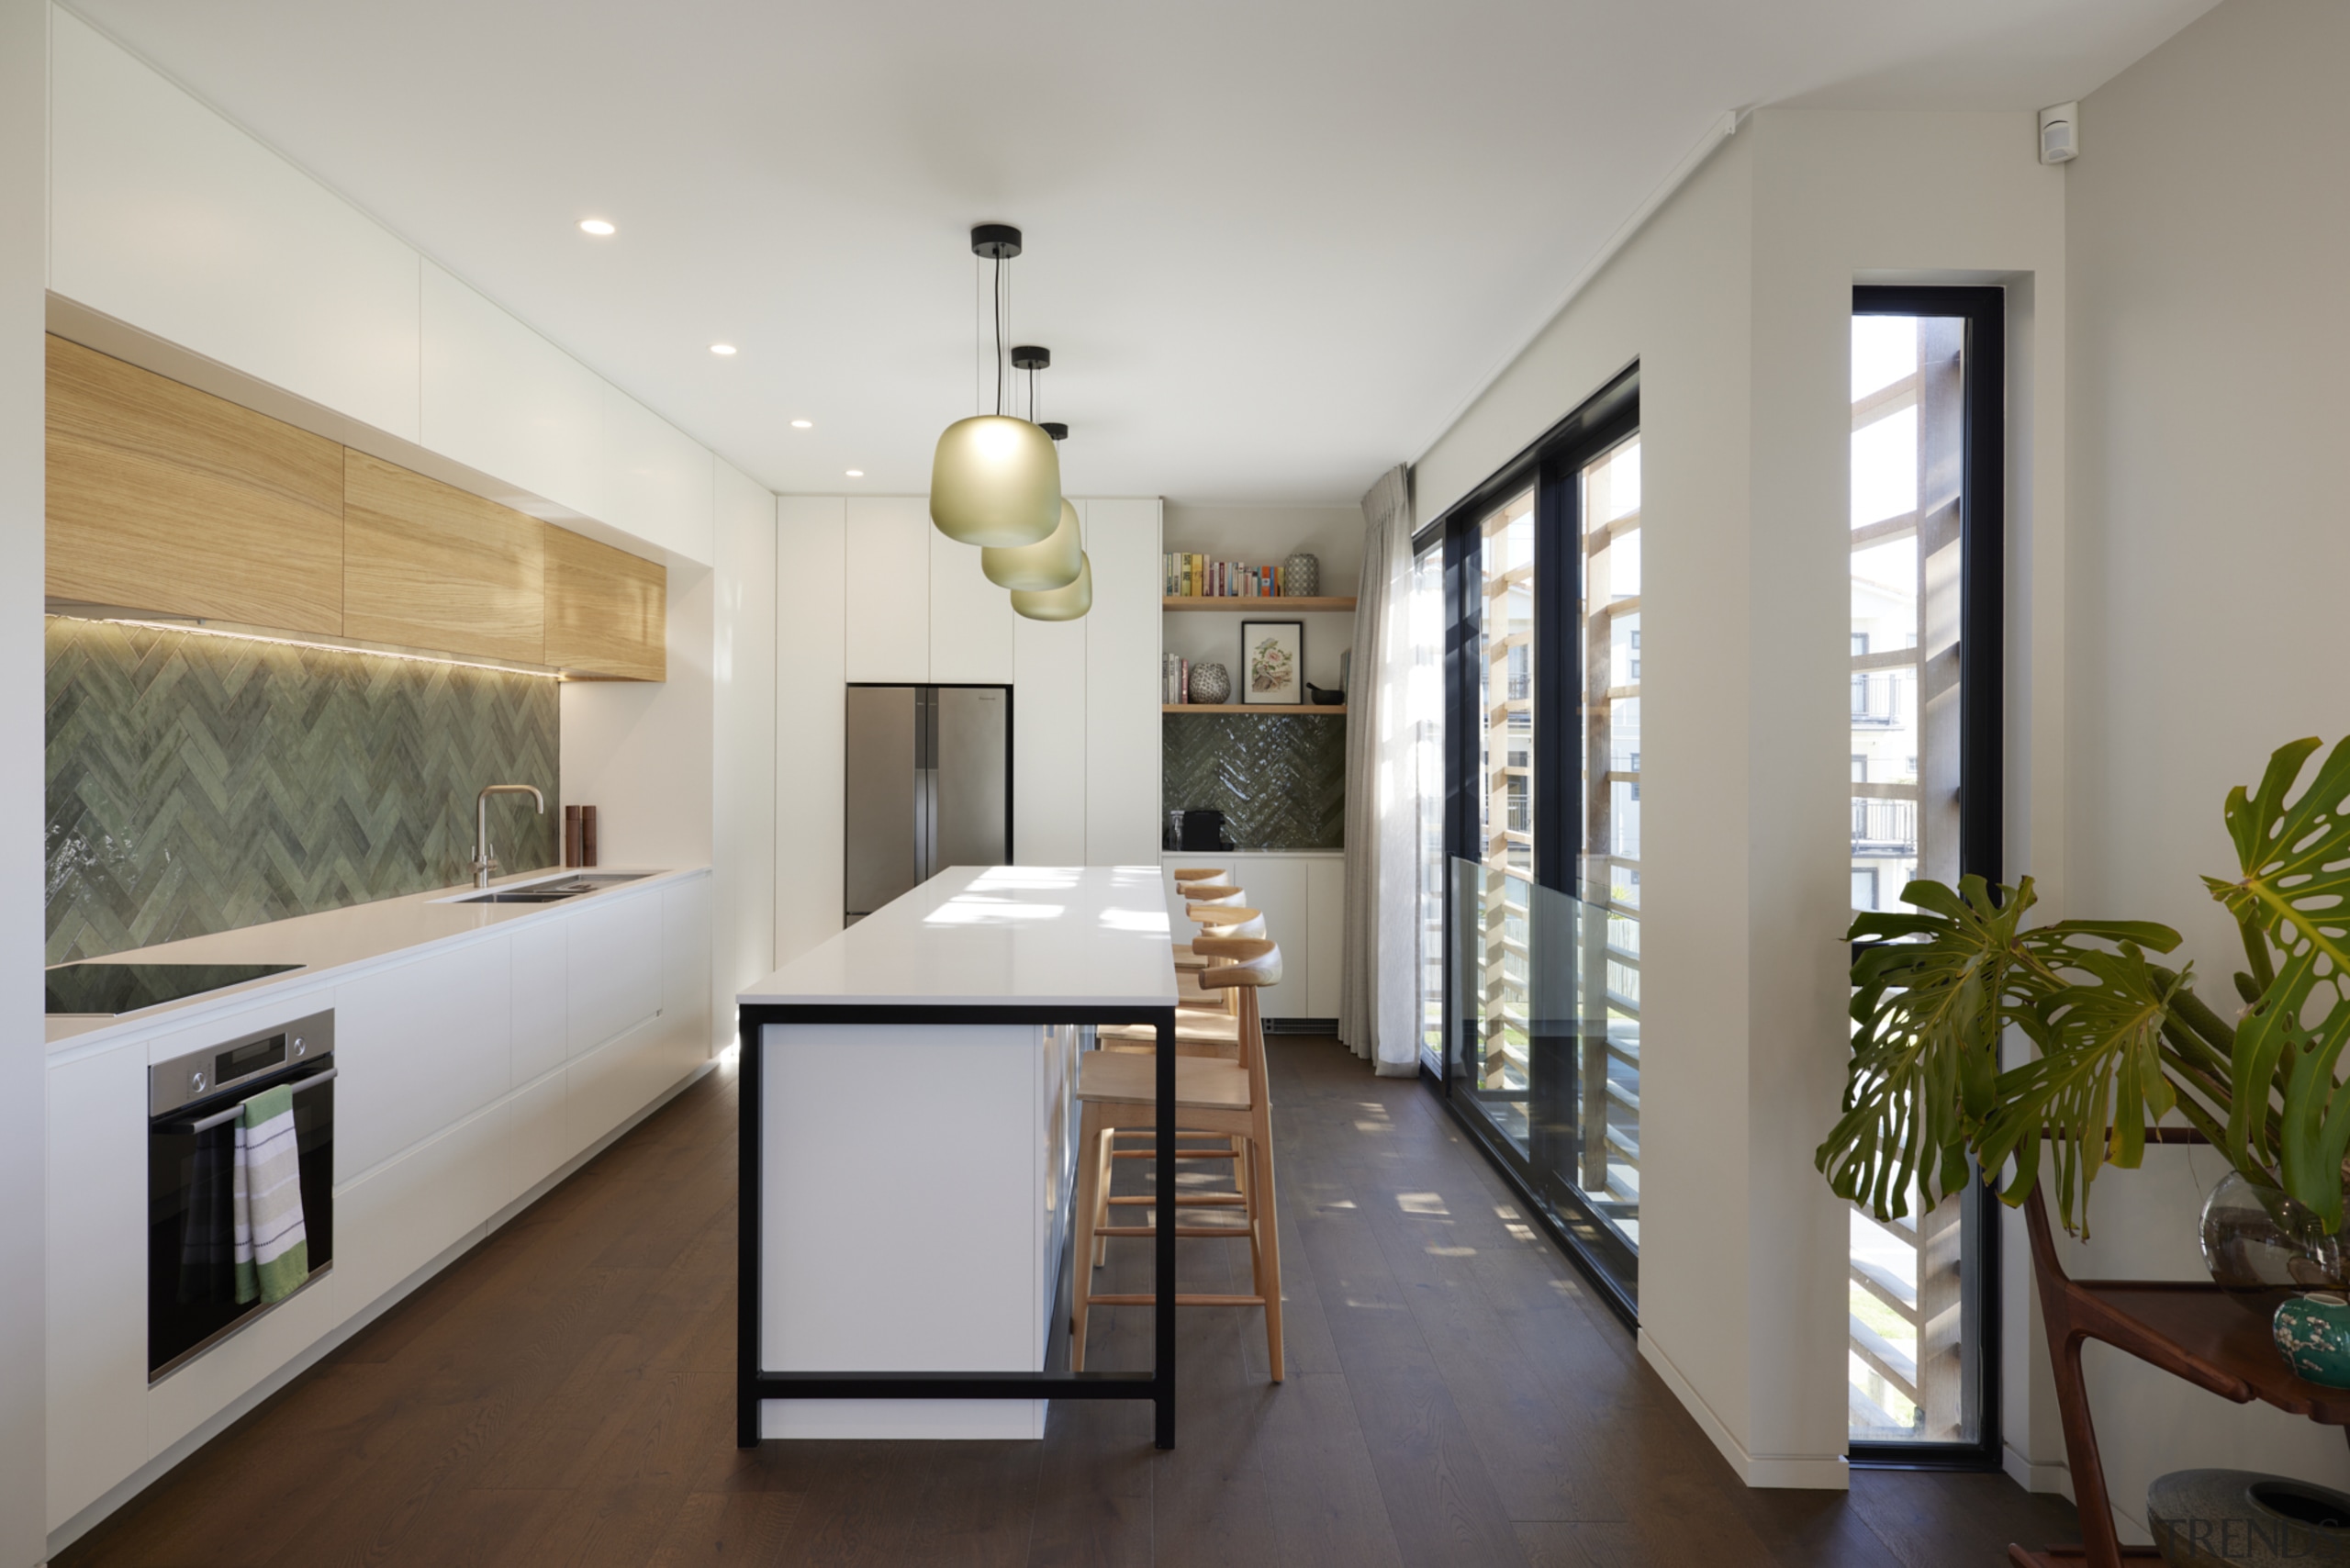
x=501, y=399
x=458, y=1091
x=686, y=959
x=1121, y=718
x=885, y=567
x=659, y=484
x=540, y=1032
x=811, y=720
x=419, y=1045
x=96, y=1208
x=970, y=618
x=164, y=215
x=538, y=1135
x=399, y=1216
x=1326, y=921
x=1047, y=742
x=615, y=965
x=201, y=1389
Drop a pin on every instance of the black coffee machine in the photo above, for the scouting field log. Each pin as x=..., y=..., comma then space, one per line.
x=1203, y=832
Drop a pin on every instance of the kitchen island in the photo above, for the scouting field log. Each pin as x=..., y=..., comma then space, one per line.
x=907, y=1132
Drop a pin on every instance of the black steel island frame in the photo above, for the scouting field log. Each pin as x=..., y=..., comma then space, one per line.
x=755, y=1383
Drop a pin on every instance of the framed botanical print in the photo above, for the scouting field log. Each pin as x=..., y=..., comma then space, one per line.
x=1272, y=663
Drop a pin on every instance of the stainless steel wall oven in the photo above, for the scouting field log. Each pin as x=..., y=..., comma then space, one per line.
x=195, y=1103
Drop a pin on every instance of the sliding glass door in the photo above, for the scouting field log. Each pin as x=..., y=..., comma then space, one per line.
x=1541, y=972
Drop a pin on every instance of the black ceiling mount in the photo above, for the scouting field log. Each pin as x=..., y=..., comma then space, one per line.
x=1028, y=356
x=1055, y=429
x=995, y=241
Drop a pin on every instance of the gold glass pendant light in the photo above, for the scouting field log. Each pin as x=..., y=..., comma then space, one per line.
x=1034, y=568
x=1052, y=564
x=1061, y=603
x=995, y=480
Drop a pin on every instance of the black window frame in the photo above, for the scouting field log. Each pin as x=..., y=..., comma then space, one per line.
x=1982, y=667
x=1551, y=465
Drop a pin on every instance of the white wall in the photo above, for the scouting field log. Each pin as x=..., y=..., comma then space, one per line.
x=743, y=674
x=2208, y=228
x=811, y=671
x=866, y=590
x=642, y=752
x=1736, y=301
x=24, y=100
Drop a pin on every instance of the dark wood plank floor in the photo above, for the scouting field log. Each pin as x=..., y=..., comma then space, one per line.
x=1456, y=1396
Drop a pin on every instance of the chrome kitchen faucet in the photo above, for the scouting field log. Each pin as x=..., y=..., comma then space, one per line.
x=484, y=859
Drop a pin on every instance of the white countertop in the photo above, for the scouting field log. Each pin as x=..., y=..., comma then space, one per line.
x=997, y=936
x=342, y=938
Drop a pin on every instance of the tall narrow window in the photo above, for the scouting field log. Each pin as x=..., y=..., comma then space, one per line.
x=1542, y=748
x=1925, y=570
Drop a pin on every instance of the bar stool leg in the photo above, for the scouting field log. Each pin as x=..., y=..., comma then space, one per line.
x=1269, y=1244
x=1092, y=1188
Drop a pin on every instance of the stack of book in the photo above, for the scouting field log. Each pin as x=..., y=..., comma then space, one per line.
x=1195, y=576
x=1174, y=678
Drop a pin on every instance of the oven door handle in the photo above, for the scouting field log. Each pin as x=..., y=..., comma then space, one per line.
x=207, y=1123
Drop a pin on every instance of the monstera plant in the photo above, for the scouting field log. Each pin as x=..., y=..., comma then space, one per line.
x=2118, y=1039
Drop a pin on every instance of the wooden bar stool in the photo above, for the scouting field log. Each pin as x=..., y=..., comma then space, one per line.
x=1233, y=1100
x=1205, y=1017
x=1213, y=888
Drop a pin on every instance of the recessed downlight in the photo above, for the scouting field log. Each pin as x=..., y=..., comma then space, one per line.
x=803, y=424
x=723, y=350
x=600, y=228
x=856, y=473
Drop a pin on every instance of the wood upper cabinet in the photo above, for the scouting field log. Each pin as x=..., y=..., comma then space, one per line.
x=429, y=566
x=174, y=502
x=608, y=611
x=168, y=500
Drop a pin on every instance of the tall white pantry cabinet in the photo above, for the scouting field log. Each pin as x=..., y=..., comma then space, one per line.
x=868, y=591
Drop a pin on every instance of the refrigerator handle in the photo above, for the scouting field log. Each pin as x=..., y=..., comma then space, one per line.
x=925, y=782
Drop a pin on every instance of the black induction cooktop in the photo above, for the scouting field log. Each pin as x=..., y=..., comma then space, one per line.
x=126, y=987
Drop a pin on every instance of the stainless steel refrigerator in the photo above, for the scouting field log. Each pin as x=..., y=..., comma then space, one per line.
x=929, y=786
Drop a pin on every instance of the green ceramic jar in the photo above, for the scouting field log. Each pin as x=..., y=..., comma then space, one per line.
x=2313, y=1333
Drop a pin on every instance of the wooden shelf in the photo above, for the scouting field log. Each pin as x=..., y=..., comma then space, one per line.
x=1230, y=603
x=1271, y=710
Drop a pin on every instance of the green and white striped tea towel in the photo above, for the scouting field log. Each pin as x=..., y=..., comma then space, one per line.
x=273, y=1250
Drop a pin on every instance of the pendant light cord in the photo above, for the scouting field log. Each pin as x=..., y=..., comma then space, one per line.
x=999, y=334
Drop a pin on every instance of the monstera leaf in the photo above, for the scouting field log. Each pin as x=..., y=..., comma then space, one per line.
x=2097, y=1080
x=1931, y=999
x=2294, y=896
x=1928, y=1004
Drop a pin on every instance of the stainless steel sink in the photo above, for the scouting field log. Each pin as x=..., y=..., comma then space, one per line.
x=556, y=891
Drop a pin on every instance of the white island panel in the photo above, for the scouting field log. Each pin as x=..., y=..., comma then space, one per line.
x=880, y=1253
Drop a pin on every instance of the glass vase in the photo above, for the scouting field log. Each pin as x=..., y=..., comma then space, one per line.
x=2262, y=1245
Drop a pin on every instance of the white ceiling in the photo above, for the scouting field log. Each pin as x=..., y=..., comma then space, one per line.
x=1273, y=245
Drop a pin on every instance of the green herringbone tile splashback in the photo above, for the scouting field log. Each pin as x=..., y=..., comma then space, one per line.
x=1281, y=781
x=197, y=783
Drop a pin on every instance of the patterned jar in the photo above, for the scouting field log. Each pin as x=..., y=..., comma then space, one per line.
x=1211, y=684
x=1301, y=577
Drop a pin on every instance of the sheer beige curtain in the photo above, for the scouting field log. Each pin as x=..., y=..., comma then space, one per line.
x=1376, y=1016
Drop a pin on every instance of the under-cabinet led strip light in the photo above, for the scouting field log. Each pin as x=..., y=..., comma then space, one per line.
x=203, y=630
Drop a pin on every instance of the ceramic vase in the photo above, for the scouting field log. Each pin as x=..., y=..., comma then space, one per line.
x=1211, y=683
x=2313, y=1333
x=2235, y=1519
x=1301, y=577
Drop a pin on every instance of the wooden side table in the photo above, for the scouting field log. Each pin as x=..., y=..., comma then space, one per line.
x=2194, y=1331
